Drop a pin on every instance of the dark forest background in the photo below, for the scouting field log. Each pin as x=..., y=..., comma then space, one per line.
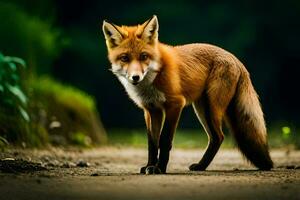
x=264, y=35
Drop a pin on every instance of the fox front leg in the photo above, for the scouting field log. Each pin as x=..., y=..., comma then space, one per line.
x=173, y=113
x=154, y=119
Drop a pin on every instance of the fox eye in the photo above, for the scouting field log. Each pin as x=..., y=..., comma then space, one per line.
x=144, y=56
x=124, y=58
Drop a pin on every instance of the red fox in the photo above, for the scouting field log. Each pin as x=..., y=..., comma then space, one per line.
x=163, y=79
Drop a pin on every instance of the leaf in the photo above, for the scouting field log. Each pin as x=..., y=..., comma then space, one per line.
x=17, y=92
x=2, y=70
x=15, y=77
x=12, y=66
x=15, y=60
x=4, y=140
x=1, y=88
x=24, y=114
x=8, y=102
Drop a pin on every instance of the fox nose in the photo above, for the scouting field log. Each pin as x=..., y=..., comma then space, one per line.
x=136, y=78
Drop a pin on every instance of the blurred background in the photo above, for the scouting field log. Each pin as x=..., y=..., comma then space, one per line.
x=65, y=92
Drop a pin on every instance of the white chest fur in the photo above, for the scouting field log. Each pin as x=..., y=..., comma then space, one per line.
x=144, y=93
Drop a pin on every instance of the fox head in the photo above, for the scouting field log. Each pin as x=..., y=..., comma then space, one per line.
x=133, y=50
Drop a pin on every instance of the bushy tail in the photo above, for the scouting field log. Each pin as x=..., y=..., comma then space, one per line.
x=246, y=120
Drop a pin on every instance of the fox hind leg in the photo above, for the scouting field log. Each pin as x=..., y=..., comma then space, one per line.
x=211, y=108
x=212, y=127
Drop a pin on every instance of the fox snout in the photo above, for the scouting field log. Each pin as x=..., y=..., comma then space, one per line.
x=135, y=73
x=135, y=79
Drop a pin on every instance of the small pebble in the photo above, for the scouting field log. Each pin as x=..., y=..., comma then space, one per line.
x=50, y=164
x=54, y=163
x=83, y=164
x=290, y=167
x=7, y=159
x=68, y=165
x=46, y=159
x=94, y=174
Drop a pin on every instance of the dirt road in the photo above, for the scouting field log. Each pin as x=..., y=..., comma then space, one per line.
x=112, y=173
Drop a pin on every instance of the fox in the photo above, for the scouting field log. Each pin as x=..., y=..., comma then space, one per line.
x=162, y=80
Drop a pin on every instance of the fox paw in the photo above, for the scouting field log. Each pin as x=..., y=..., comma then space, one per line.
x=143, y=170
x=153, y=170
x=197, y=167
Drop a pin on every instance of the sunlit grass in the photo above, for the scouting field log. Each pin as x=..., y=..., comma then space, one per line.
x=65, y=94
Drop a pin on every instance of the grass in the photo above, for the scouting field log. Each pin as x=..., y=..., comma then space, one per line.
x=190, y=138
x=193, y=138
x=73, y=111
x=63, y=93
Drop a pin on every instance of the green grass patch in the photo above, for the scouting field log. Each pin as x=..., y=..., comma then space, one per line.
x=67, y=114
x=193, y=138
x=189, y=138
x=65, y=94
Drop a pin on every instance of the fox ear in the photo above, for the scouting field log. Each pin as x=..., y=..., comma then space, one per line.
x=113, y=34
x=150, y=31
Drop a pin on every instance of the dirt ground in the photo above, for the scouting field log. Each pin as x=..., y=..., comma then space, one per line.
x=112, y=173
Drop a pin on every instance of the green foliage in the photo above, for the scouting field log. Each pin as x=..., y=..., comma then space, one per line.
x=184, y=138
x=3, y=142
x=14, y=116
x=59, y=114
x=66, y=114
x=81, y=139
x=290, y=137
x=197, y=138
x=28, y=37
x=50, y=111
x=67, y=95
x=283, y=134
x=12, y=96
x=286, y=131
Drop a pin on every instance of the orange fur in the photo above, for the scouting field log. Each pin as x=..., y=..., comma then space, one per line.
x=210, y=78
